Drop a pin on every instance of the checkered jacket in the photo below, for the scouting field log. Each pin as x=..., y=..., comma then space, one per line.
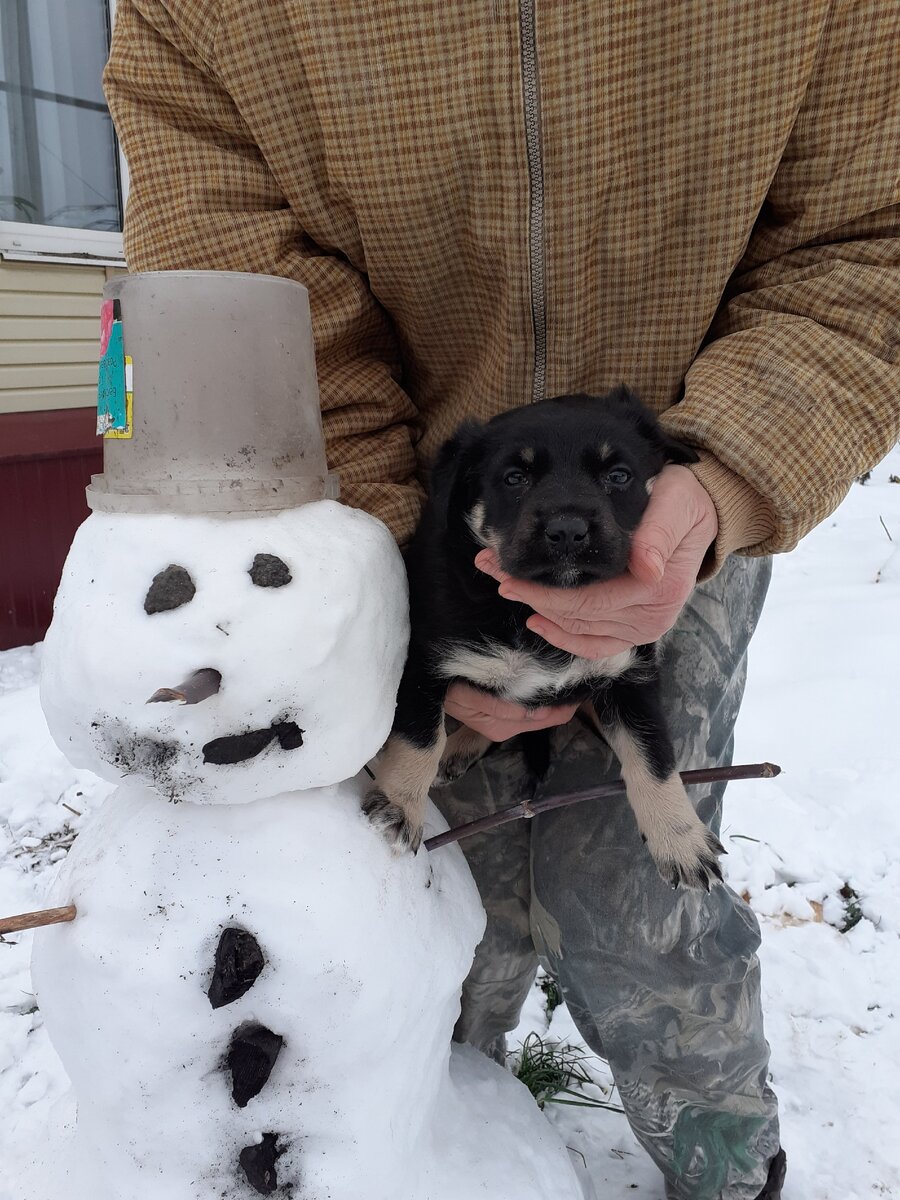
x=495, y=200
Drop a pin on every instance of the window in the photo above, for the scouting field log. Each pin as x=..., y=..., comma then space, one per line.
x=61, y=175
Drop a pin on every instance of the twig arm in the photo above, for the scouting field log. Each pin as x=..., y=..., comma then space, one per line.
x=45, y=916
x=533, y=807
x=55, y=916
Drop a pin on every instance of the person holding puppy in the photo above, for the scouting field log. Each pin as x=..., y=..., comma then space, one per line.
x=492, y=203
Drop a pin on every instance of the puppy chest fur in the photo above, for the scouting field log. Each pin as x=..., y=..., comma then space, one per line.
x=520, y=675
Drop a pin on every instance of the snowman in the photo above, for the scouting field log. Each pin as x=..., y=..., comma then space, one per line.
x=256, y=996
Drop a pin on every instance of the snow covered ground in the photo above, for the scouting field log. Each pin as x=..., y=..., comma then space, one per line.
x=815, y=850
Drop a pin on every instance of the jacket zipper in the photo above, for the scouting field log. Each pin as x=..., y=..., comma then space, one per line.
x=531, y=97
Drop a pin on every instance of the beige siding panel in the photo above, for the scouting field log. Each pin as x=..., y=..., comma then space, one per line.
x=49, y=333
x=19, y=330
x=43, y=278
x=46, y=375
x=49, y=304
x=43, y=398
x=74, y=350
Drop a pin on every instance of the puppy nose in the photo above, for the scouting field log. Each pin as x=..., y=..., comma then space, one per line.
x=566, y=532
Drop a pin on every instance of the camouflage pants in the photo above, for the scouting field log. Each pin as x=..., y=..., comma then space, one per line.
x=663, y=984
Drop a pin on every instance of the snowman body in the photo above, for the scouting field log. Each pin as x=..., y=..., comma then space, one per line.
x=257, y=997
x=363, y=957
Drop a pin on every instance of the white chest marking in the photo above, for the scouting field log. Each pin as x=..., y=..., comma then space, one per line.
x=519, y=676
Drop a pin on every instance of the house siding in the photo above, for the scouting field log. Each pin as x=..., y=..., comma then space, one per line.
x=49, y=330
x=49, y=336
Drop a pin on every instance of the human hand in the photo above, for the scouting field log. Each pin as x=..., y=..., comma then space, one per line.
x=603, y=619
x=500, y=719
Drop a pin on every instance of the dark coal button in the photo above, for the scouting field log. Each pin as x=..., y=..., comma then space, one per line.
x=259, y=1164
x=251, y=1057
x=239, y=962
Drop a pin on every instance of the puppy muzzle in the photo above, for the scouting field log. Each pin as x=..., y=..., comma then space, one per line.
x=567, y=549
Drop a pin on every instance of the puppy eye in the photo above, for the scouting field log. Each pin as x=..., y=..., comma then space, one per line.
x=515, y=478
x=619, y=476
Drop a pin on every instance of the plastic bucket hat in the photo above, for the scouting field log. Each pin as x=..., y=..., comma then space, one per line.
x=208, y=399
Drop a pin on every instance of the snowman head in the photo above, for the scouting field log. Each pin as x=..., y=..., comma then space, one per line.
x=221, y=659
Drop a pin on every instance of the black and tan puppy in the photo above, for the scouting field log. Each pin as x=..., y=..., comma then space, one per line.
x=556, y=489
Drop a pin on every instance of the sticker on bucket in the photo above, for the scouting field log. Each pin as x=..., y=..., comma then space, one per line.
x=114, y=383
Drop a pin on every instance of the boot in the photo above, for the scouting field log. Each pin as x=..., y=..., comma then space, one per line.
x=775, y=1182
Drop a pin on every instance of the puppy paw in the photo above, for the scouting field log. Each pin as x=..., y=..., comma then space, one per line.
x=463, y=749
x=399, y=828
x=452, y=768
x=688, y=856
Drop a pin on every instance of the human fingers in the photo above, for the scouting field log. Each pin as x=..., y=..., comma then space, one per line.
x=488, y=562
x=584, y=645
x=633, y=625
x=500, y=731
x=467, y=699
x=499, y=719
x=462, y=700
x=589, y=603
x=680, y=510
x=594, y=597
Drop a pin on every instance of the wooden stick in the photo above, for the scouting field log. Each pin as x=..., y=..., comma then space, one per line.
x=46, y=916
x=531, y=808
x=528, y=808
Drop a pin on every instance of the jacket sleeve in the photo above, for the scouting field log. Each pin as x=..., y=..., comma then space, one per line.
x=796, y=390
x=202, y=197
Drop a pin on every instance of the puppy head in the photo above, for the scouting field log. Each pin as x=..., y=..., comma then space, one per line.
x=556, y=488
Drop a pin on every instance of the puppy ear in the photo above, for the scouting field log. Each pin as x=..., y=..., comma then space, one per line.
x=623, y=395
x=675, y=451
x=453, y=484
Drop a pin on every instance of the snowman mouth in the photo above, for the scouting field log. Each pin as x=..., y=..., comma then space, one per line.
x=238, y=747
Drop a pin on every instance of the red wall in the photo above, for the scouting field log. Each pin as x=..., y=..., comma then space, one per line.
x=46, y=461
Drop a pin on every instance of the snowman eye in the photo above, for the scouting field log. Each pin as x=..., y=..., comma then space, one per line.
x=269, y=571
x=170, y=589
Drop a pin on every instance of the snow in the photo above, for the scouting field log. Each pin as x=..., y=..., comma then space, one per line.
x=822, y=701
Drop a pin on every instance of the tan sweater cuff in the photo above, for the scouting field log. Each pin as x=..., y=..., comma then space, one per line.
x=746, y=520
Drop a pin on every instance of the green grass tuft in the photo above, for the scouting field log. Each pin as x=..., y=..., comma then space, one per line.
x=554, y=1074
x=853, y=913
x=552, y=995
